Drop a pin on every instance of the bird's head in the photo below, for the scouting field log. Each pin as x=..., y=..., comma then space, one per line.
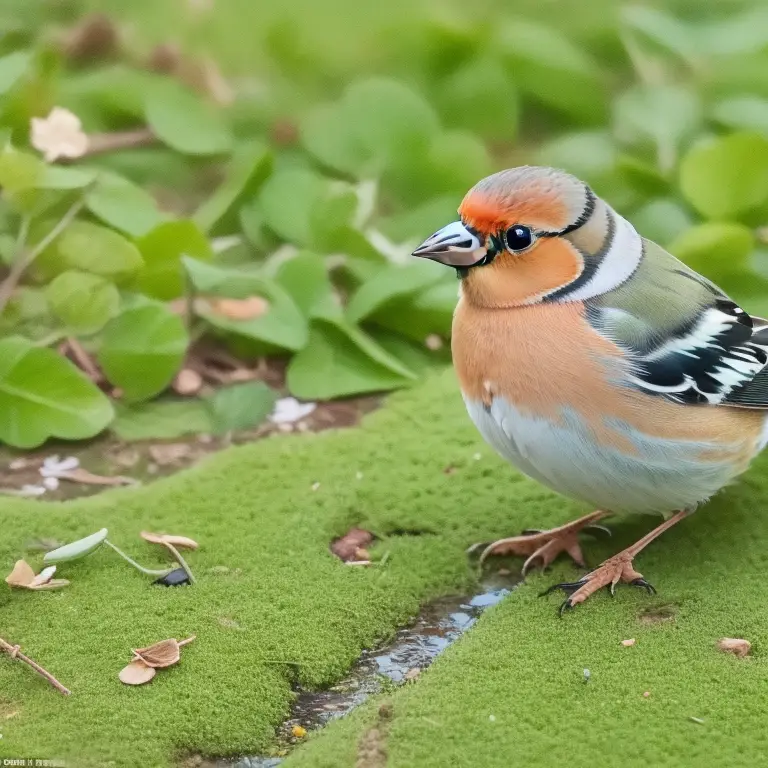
x=525, y=234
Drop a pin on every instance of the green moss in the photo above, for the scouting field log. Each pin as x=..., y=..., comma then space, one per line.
x=254, y=512
x=512, y=693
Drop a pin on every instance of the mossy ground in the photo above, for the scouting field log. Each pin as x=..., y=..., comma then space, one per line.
x=286, y=608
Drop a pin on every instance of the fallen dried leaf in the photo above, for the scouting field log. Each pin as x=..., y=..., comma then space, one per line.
x=137, y=673
x=23, y=577
x=85, y=477
x=736, y=646
x=160, y=655
x=298, y=731
x=345, y=547
x=628, y=643
x=646, y=694
x=412, y=673
x=59, y=135
x=187, y=382
x=167, y=538
x=241, y=309
x=362, y=554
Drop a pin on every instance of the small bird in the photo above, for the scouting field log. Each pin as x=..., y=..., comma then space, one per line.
x=597, y=363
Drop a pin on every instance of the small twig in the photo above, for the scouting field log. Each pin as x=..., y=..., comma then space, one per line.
x=188, y=640
x=101, y=143
x=14, y=652
x=24, y=260
x=83, y=359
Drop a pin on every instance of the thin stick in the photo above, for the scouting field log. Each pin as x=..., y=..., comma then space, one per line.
x=141, y=568
x=101, y=143
x=15, y=653
x=84, y=360
x=24, y=260
x=188, y=640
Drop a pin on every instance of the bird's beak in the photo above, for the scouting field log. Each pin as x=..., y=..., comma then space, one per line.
x=454, y=245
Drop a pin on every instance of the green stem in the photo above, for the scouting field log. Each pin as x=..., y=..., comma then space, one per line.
x=141, y=568
x=182, y=562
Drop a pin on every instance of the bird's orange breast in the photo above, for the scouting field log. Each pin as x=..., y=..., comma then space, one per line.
x=546, y=358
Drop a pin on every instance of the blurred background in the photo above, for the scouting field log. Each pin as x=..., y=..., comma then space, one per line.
x=201, y=196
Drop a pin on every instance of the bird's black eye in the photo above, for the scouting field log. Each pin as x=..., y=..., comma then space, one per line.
x=518, y=238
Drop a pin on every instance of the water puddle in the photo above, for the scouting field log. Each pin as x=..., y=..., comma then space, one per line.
x=413, y=648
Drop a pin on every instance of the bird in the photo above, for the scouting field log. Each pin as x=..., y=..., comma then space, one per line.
x=597, y=363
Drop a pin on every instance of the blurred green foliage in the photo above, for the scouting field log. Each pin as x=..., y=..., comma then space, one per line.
x=301, y=150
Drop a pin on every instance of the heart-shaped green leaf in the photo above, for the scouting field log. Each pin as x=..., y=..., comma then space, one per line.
x=83, y=302
x=184, y=122
x=726, y=177
x=287, y=200
x=43, y=395
x=12, y=68
x=241, y=406
x=716, y=249
x=124, y=206
x=142, y=349
x=76, y=549
x=162, y=420
x=162, y=250
x=306, y=280
x=89, y=248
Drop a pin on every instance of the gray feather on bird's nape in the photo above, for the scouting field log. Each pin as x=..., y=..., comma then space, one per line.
x=611, y=250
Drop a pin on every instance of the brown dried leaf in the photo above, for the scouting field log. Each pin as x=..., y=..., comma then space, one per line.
x=137, y=673
x=162, y=654
x=168, y=538
x=736, y=646
x=22, y=575
x=241, y=309
x=81, y=475
x=50, y=584
x=628, y=643
x=346, y=546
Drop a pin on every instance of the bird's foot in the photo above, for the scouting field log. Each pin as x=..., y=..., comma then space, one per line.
x=543, y=546
x=616, y=569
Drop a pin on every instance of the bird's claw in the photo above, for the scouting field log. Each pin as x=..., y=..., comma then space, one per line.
x=644, y=584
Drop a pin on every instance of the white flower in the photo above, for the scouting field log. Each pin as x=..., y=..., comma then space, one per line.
x=59, y=135
x=289, y=409
x=51, y=483
x=31, y=490
x=53, y=466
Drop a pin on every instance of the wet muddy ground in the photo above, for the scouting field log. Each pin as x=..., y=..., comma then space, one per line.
x=440, y=623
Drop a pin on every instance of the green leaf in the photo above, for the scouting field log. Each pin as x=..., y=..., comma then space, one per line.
x=83, y=302
x=62, y=178
x=549, y=67
x=339, y=361
x=331, y=215
x=184, y=122
x=248, y=168
x=589, y=155
x=662, y=115
x=388, y=118
x=20, y=171
x=662, y=220
x=726, y=177
x=417, y=316
x=457, y=159
x=742, y=112
x=162, y=420
x=415, y=357
x=481, y=97
x=327, y=134
x=419, y=222
x=142, y=349
x=283, y=325
x=287, y=200
x=12, y=68
x=241, y=406
x=162, y=250
x=390, y=284
x=89, y=248
x=76, y=549
x=716, y=249
x=736, y=33
x=43, y=395
x=123, y=205
x=306, y=280
x=664, y=30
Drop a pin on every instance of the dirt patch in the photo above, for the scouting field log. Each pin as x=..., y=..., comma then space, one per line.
x=372, y=747
x=658, y=614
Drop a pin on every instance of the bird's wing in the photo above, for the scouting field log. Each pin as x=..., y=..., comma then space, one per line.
x=686, y=339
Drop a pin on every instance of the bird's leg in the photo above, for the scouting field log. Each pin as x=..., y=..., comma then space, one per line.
x=616, y=569
x=543, y=546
